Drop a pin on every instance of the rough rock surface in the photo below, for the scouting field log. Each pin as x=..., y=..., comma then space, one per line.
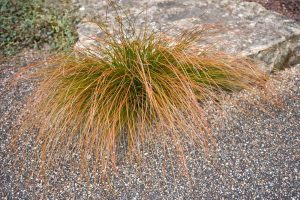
x=245, y=28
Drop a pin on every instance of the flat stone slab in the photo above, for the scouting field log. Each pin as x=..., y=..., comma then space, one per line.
x=245, y=28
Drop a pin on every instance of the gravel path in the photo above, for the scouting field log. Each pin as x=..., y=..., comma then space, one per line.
x=257, y=155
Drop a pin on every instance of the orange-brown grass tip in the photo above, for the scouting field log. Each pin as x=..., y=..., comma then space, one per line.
x=134, y=86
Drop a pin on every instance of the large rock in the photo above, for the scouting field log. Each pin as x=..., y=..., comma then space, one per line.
x=245, y=28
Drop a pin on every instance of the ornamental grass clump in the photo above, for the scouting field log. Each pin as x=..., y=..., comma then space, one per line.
x=129, y=88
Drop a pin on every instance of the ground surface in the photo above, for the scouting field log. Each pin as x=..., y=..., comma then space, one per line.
x=289, y=8
x=257, y=155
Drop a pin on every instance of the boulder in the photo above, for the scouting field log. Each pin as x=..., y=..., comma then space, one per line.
x=243, y=28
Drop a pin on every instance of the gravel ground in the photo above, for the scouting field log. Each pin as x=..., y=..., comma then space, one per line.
x=289, y=8
x=257, y=155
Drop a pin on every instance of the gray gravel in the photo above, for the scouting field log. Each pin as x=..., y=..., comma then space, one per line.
x=257, y=155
